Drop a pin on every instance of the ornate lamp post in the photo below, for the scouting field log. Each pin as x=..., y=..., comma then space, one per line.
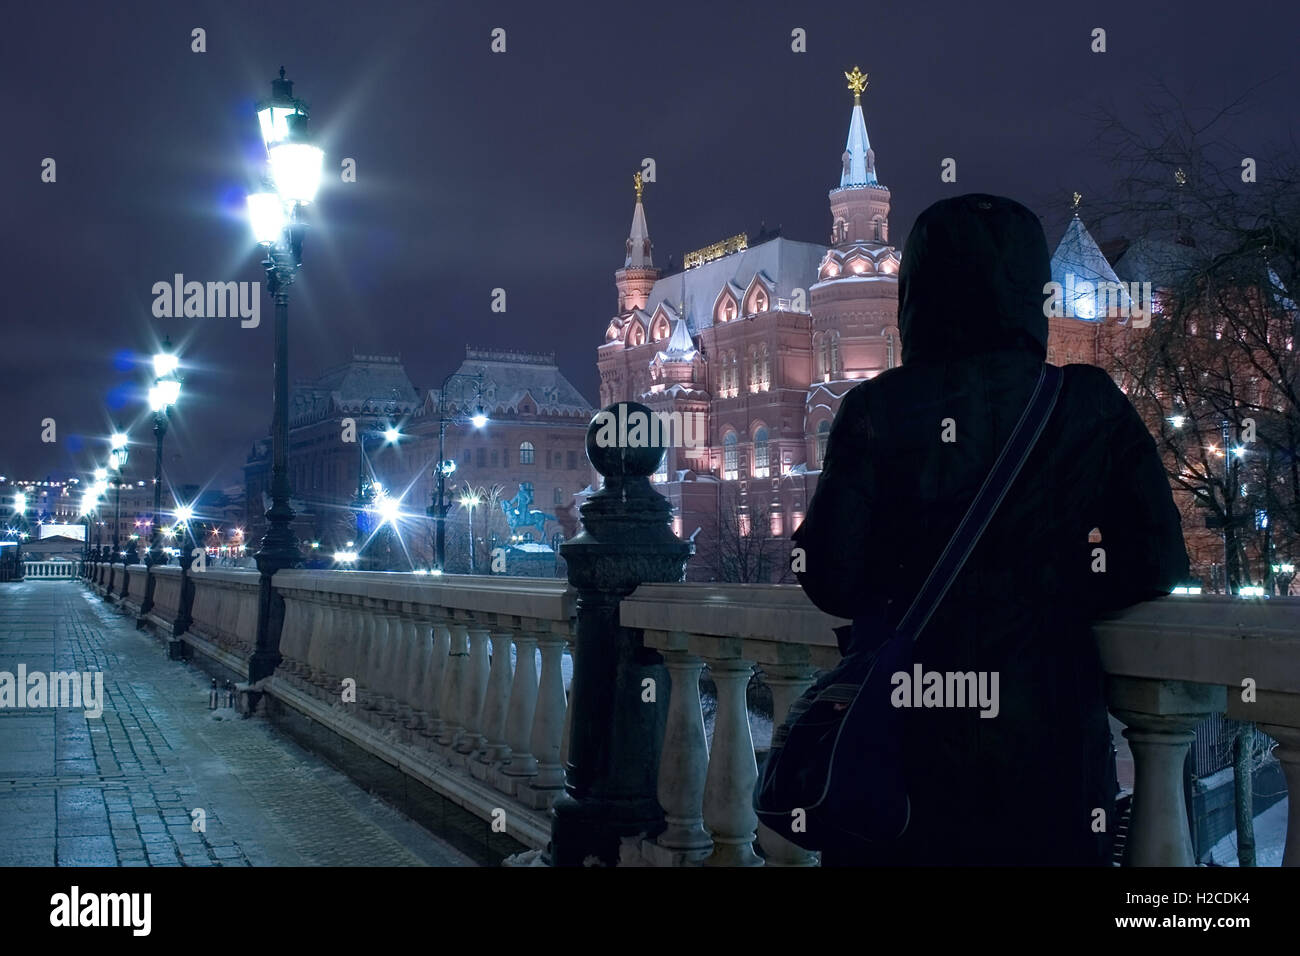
x=163, y=395
x=444, y=468
x=295, y=165
x=469, y=500
x=117, y=457
x=20, y=512
x=365, y=498
x=88, y=507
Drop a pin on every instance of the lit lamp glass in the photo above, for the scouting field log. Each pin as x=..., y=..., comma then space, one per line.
x=296, y=167
x=119, y=453
x=266, y=216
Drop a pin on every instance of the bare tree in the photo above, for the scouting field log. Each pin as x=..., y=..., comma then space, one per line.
x=744, y=550
x=1217, y=374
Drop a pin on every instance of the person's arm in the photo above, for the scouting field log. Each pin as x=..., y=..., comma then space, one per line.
x=836, y=530
x=1142, y=532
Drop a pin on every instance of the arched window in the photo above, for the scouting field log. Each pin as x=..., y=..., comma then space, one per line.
x=526, y=453
x=753, y=369
x=760, y=302
x=760, y=453
x=661, y=470
x=824, y=358
x=765, y=368
x=558, y=496
x=823, y=435
x=660, y=330
x=835, y=355
x=729, y=457
x=637, y=335
x=889, y=350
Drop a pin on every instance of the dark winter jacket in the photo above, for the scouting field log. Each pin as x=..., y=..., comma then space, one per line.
x=1022, y=787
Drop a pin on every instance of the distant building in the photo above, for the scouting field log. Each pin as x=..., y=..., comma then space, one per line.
x=759, y=343
x=525, y=465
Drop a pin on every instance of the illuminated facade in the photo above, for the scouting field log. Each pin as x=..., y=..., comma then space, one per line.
x=761, y=342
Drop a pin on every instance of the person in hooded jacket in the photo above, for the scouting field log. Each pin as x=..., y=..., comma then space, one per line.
x=1024, y=787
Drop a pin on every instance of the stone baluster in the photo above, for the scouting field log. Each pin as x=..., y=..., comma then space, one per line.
x=317, y=616
x=787, y=682
x=324, y=649
x=415, y=669
x=549, y=720
x=567, y=737
x=389, y=659
x=729, y=784
x=453, y=682
x=683, y=764
x=369, y=624
x=1159, y=717
x=292, y=643
x=523, y=706
x=474, y=691
x=352, y=646
x=497, y=701
x=378, y=650
x=434, y=703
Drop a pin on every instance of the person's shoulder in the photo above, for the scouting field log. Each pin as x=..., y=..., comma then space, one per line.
x=1091, y=387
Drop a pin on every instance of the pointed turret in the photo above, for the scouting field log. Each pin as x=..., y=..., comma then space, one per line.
x=859, y=160
x=638, y=240
x=860, y=205
x=1079, y=265
x=638, y=274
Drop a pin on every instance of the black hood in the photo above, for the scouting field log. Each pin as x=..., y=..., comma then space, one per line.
x=972, y=280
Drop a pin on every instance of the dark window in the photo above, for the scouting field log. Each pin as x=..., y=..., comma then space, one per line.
x=573, y=461
x=559, y=496
x=496, y=458
x=482, y=457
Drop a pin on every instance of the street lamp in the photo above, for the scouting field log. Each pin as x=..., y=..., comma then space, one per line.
x=89, y=504
x=444, y=468
x=274, y=214
x=119, y=455
x=469, y=500
x=366, y=485
x=164, y=394
x=20, y=512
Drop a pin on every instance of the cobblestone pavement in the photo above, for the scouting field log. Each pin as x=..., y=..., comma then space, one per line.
x=121, y=789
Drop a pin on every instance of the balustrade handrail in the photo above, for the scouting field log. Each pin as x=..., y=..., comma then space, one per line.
x=540, y=598
x=1206, y=639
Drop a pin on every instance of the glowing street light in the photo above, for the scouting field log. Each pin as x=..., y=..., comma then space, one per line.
x=164, y=394
x=444, y=468
x=294, y=163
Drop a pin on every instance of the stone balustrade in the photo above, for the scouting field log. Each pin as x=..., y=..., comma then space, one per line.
x=460, y=683
x=1171, y=663
x=459, y=680
x=51, y=569
x=166, y=596
x=137, y=580
x=224, y=616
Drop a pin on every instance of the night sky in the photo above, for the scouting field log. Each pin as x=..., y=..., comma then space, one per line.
x=478, y=170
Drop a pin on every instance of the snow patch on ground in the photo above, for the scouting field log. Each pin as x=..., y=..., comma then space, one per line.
x=1270, y=833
